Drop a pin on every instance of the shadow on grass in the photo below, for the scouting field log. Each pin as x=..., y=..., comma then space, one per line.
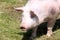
x=42, y=30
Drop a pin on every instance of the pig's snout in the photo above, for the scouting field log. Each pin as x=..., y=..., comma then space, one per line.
x=22, y=27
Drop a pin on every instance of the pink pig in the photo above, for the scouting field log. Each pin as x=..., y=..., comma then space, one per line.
x=36, y=12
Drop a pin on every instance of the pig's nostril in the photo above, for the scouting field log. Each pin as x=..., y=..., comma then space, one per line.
x=22, y=28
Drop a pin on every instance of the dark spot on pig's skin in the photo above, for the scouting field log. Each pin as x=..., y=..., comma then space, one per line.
x=53, y=11
x=32, y=14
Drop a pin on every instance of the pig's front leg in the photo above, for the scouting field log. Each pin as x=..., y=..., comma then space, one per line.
x=50, y=25
x=33, y=33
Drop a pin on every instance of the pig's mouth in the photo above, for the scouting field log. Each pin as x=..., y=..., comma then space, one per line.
x=26, y=28
x=23, y=29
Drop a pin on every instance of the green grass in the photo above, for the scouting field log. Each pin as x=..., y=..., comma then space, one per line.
x=10, y=22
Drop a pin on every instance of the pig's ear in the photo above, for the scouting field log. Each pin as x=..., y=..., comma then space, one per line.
x=19, y=9
x=32, y=14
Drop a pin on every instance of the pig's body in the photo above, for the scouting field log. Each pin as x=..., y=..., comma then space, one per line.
x=42, y=10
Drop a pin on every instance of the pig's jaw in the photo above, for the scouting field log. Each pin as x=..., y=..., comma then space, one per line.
x=24, y=29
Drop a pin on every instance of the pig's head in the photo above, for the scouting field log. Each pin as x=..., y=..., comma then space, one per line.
x=29, y=19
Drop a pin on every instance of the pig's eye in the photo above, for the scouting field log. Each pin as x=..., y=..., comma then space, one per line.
x=32, y=15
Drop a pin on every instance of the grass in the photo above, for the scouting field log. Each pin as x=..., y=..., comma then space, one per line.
x=10, y=22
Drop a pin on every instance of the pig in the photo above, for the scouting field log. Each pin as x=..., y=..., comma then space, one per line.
x=36, y=12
